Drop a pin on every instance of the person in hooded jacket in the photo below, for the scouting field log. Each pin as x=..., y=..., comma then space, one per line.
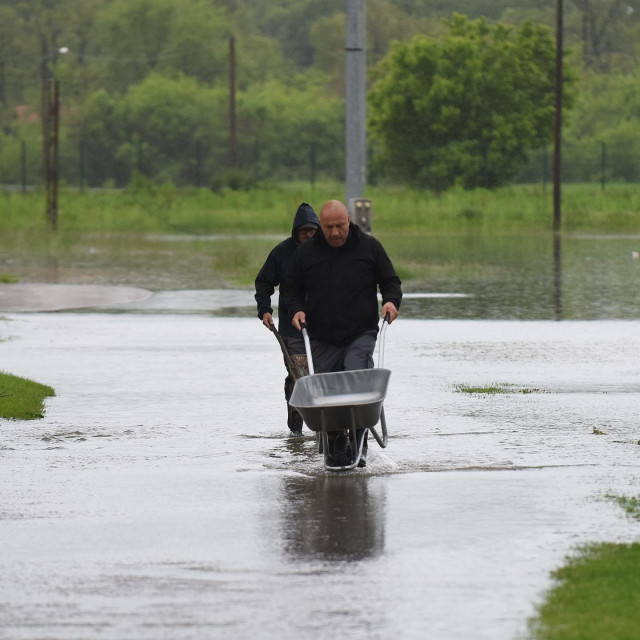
x=332, y=287
x=272, y=275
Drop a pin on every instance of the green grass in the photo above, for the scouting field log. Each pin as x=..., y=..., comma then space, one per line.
x=22, y=399
x=596, y=596
x=8, y=278
x=163, y=209
x=269, y=209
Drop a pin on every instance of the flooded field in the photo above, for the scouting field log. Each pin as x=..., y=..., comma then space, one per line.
x=448, y=276
x=161, y=497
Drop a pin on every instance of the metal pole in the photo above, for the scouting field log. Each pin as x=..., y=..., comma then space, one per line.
x=48, y=149
x=45, y=89
x=355, y=100
x=557, y=156
x=54, y=157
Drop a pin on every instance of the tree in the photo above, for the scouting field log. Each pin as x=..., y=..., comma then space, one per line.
x=9, y=25
x=607, y=32
x=606, y=116
x=292, y=131
x=166, y=129
x=466, y=108
x=290, y=22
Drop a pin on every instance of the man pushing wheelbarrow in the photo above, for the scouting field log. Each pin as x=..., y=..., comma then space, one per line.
x=331, y=288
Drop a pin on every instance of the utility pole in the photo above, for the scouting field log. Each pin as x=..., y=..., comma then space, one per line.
x=53, y=153
x=557, y=152
x=355, y=100
x=45, y=109
x=50, y=128
x=557, y=169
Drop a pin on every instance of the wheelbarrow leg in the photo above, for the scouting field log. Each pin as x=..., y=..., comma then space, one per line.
x=381, y=441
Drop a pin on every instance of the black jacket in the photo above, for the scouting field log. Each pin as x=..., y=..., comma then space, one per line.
x=275, y=269
x=337, y=287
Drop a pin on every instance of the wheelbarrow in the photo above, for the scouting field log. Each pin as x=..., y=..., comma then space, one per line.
x=341, y=407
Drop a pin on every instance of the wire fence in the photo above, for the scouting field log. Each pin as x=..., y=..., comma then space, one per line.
x=586, y=162
x=84, y=165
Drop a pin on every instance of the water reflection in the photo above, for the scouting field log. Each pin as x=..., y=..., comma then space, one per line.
x=333, y=517
x=537, y=276
x=557, y=276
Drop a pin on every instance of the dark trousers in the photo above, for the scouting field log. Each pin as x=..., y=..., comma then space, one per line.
x=358, y=354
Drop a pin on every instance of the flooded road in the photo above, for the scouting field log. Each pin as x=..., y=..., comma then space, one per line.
x=161, y=498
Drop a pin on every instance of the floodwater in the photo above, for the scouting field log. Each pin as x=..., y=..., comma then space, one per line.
x=447, y=276
x=161, y=498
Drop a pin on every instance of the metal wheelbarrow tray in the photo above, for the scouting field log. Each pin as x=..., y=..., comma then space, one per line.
x=336, y=401
x=342, y=401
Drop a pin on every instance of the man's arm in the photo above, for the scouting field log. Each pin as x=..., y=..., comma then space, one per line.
x=265, y=284
x=389, y=283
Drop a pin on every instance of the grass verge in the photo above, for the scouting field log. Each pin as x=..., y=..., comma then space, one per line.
x=22, y=399
x=597, y=595
x=270, y=208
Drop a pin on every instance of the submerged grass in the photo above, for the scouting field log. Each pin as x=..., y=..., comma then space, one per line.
x=631, y=504
x=597, y=595
x=494, y=389
x=22, y=399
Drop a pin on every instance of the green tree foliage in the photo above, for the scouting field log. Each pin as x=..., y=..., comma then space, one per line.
x=164, y=36
x=490, y=9
x=290, y=23
x=606, y=119
x=310, y=144
x=606, y=33
x=162, y=127
x=290, y=82
x=9, y=28
x=465, y=108
x=170, y=129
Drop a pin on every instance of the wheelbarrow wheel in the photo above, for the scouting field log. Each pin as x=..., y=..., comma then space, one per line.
x=340, y=453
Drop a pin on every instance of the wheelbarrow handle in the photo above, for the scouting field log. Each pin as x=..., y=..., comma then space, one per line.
x=385, y=324
x=307, y=347
x=294, y=369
